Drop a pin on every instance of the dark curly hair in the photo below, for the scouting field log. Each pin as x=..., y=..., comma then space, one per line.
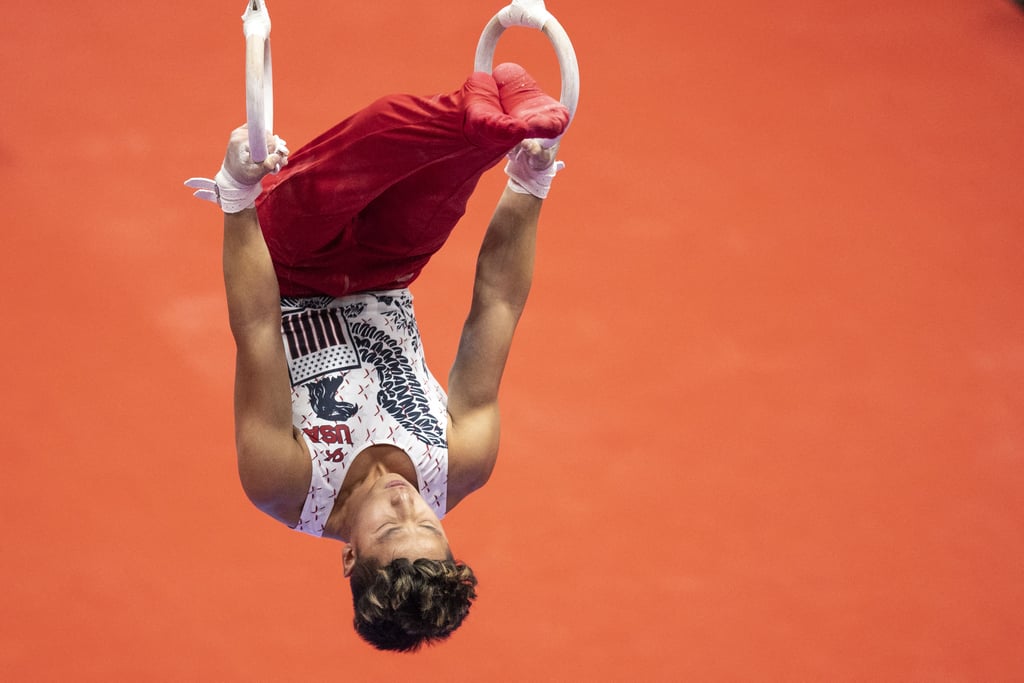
x=406, y=603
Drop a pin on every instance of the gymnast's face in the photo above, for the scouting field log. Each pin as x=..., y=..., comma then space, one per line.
x=392, y=520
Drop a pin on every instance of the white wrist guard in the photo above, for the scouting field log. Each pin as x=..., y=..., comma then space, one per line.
x=231, y=195
x=525, y=179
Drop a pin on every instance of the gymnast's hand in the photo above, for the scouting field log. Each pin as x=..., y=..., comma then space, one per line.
x=531, y=167
x=237, y=185
x=238, y=161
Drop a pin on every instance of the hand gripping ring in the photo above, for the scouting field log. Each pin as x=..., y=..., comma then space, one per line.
x=532, y=14
x=259, y=78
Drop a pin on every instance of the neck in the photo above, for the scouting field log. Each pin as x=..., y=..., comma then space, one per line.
x=369, y=466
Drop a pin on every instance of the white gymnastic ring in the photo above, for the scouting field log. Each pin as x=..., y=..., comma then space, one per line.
x=259, y=78
x=567, y=64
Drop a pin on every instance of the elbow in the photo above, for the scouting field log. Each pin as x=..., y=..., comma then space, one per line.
x=511, y=296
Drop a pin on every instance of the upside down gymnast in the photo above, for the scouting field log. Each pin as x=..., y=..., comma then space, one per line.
x=341, y=430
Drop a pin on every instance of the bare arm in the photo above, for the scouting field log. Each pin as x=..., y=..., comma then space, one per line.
x=504, y=274
x=272, y=465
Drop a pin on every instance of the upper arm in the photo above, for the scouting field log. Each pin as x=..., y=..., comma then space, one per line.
x=272, y=464
x=483, y=351
x=473, y=385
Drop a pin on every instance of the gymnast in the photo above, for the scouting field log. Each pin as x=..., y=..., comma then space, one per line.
x=341, y=430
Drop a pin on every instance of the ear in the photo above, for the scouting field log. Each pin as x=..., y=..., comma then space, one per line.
x=348, y=559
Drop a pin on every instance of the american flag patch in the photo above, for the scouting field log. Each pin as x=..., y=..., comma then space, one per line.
x=317, y=342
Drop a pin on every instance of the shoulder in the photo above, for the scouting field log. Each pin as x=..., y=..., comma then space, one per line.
x=472, y=450
x=275, y=474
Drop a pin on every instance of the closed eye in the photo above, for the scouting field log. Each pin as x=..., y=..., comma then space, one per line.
x=395, y=529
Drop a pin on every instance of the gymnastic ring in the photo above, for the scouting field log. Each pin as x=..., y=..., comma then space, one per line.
x=259, y=78
x=567, y=64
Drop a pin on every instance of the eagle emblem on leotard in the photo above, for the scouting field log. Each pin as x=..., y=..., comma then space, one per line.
x=324, y=400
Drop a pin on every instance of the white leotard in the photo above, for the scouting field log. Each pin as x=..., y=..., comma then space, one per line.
x=359, y=378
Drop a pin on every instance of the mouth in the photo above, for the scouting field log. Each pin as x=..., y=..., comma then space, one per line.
x=396, y=483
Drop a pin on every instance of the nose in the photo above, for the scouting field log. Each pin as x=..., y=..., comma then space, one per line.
x=401, y=499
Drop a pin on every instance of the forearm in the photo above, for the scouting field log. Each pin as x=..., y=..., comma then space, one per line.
x=254, y=311
x=504, y=271
x=504, y=274
x=253, y=294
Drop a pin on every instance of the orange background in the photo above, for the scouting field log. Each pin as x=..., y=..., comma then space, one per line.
x=764, y=416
